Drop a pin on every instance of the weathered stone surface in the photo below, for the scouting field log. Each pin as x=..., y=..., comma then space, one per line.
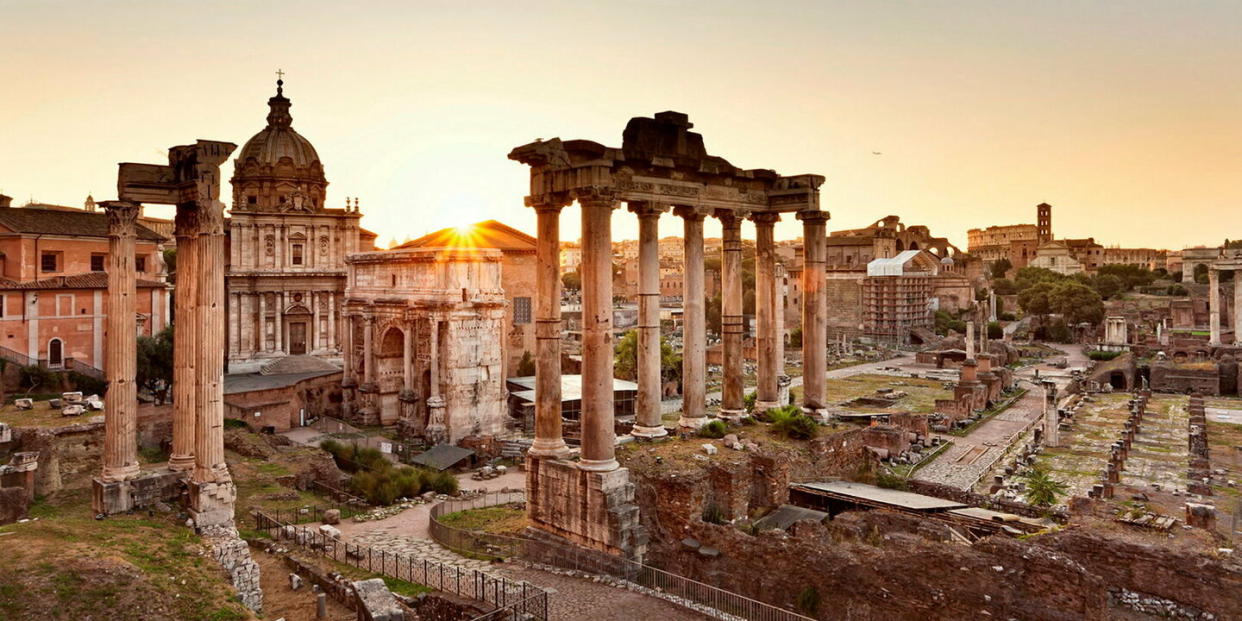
x=232, y=553
x=376, y=602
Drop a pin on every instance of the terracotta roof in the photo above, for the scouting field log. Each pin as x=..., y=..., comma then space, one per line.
x=487, y=234
x=71, y=223
x=89, y=280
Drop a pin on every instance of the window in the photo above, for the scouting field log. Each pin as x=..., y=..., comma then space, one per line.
x=521, y=310
x=250, y=200
x=48, y=261
x=97, y=262
x=140, y=264
x=55, y=353
x=297, y=254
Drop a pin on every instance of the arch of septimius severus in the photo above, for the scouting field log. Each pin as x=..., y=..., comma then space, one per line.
x=661, y=166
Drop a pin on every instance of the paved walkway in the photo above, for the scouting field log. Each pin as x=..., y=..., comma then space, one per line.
x=970, y=457
x=575, y=599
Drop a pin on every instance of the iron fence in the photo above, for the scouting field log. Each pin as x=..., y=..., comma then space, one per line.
x=312, y=514
x=517, y=599
x=474, y=543
x=339, y=495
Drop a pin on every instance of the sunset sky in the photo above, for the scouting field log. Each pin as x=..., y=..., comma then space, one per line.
x=1125, y=116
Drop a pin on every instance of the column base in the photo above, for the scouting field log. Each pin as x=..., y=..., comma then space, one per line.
x=598, y=465
x=436, y=434
x=764, y=406
x=211, y=503
x=731, y=414
x=178, y=463
x=124, y=473
x=640, y=431
x=692, y=422
x=818, y=413
x=549, y=449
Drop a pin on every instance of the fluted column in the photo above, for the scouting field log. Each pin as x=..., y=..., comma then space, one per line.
x=648, y=417
x=185, y=381
x=1237, y=307
x=1214, y=309
x=767, y=339
x=437, y=427
x=548, y=435
x=694, y=324
x=209, y=462
x=120, y=454
x=814, y=311
x=598, y=435
x=731, y=402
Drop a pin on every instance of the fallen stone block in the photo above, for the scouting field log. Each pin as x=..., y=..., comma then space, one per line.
x=376, y=602
x=332, y=516
x=24, y=404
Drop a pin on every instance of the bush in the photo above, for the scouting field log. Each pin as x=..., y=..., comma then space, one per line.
x=749, y=401
x=791, y=422
x=712, y=514
x=442, y=483
x=808, y=601
x=714, y=429
x=36, y=377
x=1103, y=356
x=383, y=486
x=87, y=384
x=891, y=481
x=233, y=423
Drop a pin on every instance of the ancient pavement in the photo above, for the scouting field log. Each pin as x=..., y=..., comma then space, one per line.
x=970, y=457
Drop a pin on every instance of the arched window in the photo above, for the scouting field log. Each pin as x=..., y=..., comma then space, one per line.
x=55, y=353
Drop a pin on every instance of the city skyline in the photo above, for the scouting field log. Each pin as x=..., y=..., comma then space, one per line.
x=958, y=116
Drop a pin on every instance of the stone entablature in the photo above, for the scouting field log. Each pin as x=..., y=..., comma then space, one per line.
x=423, y=341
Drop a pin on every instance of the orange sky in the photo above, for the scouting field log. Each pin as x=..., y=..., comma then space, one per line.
x=1123, y=115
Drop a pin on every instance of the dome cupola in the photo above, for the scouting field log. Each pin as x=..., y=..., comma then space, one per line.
x=278, y=169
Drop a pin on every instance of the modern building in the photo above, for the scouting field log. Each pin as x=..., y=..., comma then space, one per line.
x=53, y=262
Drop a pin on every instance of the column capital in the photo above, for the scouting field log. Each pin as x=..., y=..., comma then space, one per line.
x=765, y=218
x=597, y=197
x=689, y=213
x=122, y=217
x=814, y=216
x=728, y=218
x=646, y=209
x=185, y=224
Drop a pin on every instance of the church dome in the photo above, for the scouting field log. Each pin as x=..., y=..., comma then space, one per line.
x=278, y=140
x=278, y=169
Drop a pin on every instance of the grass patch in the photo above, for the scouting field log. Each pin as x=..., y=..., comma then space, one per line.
x=501, y=520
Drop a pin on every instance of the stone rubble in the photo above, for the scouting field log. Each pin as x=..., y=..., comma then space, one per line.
x=231, y=552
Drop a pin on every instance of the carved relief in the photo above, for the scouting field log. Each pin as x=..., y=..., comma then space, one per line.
x=269, y=243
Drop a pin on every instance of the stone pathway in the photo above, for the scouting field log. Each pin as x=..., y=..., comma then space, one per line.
x=970, y=457
x=577, y=598
x=419, y=549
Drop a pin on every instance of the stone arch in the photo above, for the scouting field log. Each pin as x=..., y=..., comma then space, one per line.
x=1117, y=379
x=392, y=343
x=914, y=245
x=900, y=246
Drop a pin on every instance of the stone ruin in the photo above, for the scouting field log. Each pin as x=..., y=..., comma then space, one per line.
x=1200, y=467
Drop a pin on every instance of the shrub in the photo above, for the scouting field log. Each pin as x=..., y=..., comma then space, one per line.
x=233, y=423
x=713, y=429
x=712, y=514
x=37, y=377
x=808, y=600
x=891, y=481
x=87, y=384
x=442, y=483
x=749, y=401
x=791, y=422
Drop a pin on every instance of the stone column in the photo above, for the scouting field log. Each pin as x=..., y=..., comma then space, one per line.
x=648, y=418
x=1214, y=310
x=331, y=320
x=970, y=340
x=694, y=324
x=279, y=324
x=185, y=380
x=262, y=340
x=437, y=429
x=732, y=403
x=368, y=351
x=598, y=435
x=814, y=311
x=235, y=323
x=315, y=331
x=1237, y=307
x=120, y=453
x=548, y=439
x=209, y=465
x=767, y=339
x=348, y=381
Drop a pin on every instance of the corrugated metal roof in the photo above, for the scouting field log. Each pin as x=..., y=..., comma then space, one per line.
x=882, y=495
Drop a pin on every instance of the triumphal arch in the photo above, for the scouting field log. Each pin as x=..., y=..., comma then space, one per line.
x=661, y=166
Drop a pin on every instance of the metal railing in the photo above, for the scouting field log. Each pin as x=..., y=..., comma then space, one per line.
x=475, y=543
x=312, y=514
x=520, y=599
x=67, y=363
x=683, y=590
x=339, y=495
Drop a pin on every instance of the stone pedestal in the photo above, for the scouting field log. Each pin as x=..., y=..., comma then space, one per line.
x=592, y=509
x=144, y=490
x=211, y=503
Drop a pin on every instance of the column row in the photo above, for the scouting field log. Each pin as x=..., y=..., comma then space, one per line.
x=597, y=417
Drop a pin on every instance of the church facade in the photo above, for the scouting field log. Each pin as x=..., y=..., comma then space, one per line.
x=287, y=249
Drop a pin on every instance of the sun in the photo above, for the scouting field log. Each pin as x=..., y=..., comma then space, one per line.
x=464, y=230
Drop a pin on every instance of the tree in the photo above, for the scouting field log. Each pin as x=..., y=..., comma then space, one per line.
x=1001, y=267
x=1201, y=273
x=526, y=366
x=155, y=363
x=1077, y=303
x=1041, y=489
x=995, y=331
x=1028, y=277
x=1004, y=286
x=1109, y=286
x=712, y=313
x=1034, y=300
x=571, y=280
x=625, y=361
x=944, y=322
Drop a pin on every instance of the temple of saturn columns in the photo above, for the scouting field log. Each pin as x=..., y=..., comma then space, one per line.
x=661, y=166
x=191, y=181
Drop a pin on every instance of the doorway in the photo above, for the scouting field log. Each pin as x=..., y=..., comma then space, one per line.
x=297, y=338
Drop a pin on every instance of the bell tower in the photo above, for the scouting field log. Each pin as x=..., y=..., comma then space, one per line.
x=1043, y=222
